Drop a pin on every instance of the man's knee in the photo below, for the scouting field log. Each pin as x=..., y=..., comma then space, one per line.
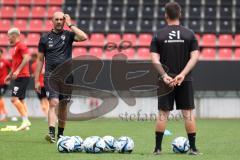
x=54, y=102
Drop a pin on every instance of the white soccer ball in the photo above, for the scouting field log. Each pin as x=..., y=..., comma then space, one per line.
x=78, y=143
x=180, y=145
x=124, y=145
x=94, y=144
x=65, y=144
x=110, y=143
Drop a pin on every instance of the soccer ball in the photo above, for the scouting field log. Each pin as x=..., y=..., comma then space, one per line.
x=110, y=143
x=180, y=145
x=124, y=145
x=78, y=143
x=65, y=144
x=94, y=144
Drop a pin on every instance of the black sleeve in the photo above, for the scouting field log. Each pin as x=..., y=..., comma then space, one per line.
x=194, y=43
x=154, y=47
x=72, y=35
x=41, y=45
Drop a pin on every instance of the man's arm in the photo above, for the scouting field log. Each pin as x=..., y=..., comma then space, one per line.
x=25, y=60
x=189, y=66
x=40, y=62
x=79, y=34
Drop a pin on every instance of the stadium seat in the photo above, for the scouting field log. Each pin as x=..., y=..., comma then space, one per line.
x=132, y=12
x=32, y=39
x=226, y=12
x=210, y=12
x=237, y=40
x=144, y=39
x=96, y=51
x=208, y=54
x=195, y=2
x=114, y=26
x=147, y=12
x=36, y=25
x=21, y=24
x=116, y=11
x=48, y=26
x=22, y=12
x=146, y=26
x=23, y=37
x=5, y=54
x=194, y=12
x=130, y=37
x=130, y=53
x=210, y=26
x=225, y=54
x=40, y=2
x=79, y=51
x=225, y=26
x=226, y=3
x=237, y=26
x=237, y=12
x=148, y=2
x=51, y=10
x=9, y=2
x=133, y=2
x=7, y=12
x=84, y=24
x=4, y=39
x=39, y=12
x=198, y=38
x=32, y=50
x=225, y=40
x=85, y=11
x=82, y=43
x=55, y=2
x=97, y=39
x=209, y=40
x=102, y=2
x=24, y=2
x=118, y=2
x=163, y=2
x=100, y=11
x=195, y=25
x=237, y=54
x=71, y=2
x=113, y=38
x=160, y=23
x=99, y=25
x=143, y=54
x=211, y=3
x=181, y=2
x=5, y=25
x=130, y=26
x=109, y=54
x=161, y=12
x=70, y=9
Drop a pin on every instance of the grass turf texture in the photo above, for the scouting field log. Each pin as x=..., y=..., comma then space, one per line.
x=217, y=139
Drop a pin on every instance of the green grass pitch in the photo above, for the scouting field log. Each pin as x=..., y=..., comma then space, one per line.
x=217, y=139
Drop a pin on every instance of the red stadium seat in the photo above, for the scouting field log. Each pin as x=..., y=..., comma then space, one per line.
x=20, y=24
x=198, y=38
x=9, y=2
x=96, y=51
x=114, y=38
x=143, y=53
x=36, y=25
x=4, y=39
x=39, y=12
x=48, y=26
x=225, y=54
x=144, y=39
x=40, y=2
x=79, y=51
x=23, y=37
x=237, y=54
x=109, y=54
x=5, y=54
x=225, y=40
x=52, y=9
x=97, y=39
x=22, y=12
x=209, y=40
x=55, y=2
x=83, y=43
x=7, y=12
x=208, y=54
x=24, y=2
x=130, y=53
x=130, y=37
x=5, y=25
x=32, y=39
x=237, y=40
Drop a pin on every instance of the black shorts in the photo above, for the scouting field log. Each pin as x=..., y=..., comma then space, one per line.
x=182, y=95
x=42, y=94
x=56, y=89
x=3, y=89
x=19, y=87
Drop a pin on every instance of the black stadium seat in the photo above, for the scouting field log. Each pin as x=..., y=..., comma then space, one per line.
x=99, y=25
x=160, y=23
x=116, y=11
x=195, y=2
x=195, y=12
x=195, y=25
x=85, y=11
x=210, y=26
x=84, y=24
x=130, y=26
x=118, y=2
x=132, y=12
x=225, y=26
x=86, y=2
x=115, y=25
x=226, y=12
x=146, y=26
x=71, y=10
x=211, y=2
x=147, y=11
x=210, y=12
x=149, y=2
x=100, y=11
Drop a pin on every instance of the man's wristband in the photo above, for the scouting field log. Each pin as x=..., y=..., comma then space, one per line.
x=71, y=25
x=164, y=74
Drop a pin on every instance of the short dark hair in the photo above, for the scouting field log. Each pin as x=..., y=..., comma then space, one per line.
x=173, y=10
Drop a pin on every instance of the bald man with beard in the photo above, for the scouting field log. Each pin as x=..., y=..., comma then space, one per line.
x=55, y=48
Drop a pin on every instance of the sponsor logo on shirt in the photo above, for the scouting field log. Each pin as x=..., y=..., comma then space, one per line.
x=174, y=37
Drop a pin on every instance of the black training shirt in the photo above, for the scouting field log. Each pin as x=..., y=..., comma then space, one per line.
x=174, y=44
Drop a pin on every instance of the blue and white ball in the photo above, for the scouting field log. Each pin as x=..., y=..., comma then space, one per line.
x=124, y=145
x=180, y=145
x=110, y=143
x=94, y=144
x=78, y=143
x=65, y=144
